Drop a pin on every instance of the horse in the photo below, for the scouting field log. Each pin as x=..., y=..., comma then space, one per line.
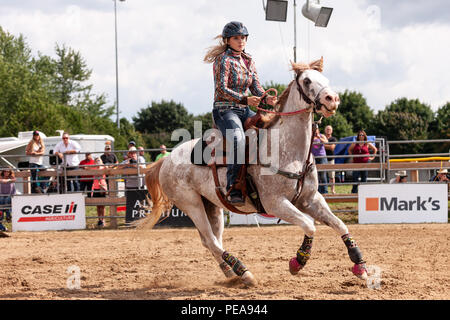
x=287, y=190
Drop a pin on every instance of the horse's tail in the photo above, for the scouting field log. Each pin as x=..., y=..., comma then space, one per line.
x=159, y=200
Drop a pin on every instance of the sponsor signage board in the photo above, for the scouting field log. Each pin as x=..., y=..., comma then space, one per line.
x=403, y=203
x=136, y=204
x=137, y=209
x=48, y=212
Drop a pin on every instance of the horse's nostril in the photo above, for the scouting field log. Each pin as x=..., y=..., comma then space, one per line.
x=329, y=98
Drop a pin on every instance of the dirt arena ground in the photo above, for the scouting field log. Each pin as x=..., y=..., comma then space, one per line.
x=172, y=264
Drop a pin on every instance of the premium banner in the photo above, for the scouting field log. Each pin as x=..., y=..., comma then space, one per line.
x=136, y=204
x=48, y=212
x=403, y=203
x=137, y=209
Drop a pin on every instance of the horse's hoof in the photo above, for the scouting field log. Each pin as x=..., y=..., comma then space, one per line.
x=294, y=266
x=248, y=279
x=360, y=271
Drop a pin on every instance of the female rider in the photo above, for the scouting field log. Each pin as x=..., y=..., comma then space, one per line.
x=234, y=73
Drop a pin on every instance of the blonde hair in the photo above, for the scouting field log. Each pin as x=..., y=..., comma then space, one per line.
x=32, y=142
x=215, y=51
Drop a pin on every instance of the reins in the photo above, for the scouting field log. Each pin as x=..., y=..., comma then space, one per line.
x=300, y=176
x=290, y=113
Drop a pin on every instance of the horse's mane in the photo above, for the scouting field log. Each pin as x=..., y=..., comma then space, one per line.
x=270, y=119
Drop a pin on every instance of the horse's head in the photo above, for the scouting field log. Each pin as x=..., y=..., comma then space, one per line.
x=314, y=87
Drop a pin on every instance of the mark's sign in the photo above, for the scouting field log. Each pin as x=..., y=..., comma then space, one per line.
x=402, y=203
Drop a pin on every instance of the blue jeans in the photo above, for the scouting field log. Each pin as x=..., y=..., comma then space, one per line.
x=34, y=168
x=72, y=181
x=356, y=175
x=323, y=176
x=230, y=123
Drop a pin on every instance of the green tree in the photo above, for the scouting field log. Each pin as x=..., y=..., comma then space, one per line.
x=70, y=73
x=341, y=128
x=354, y=108
x=165, y=116
x=439, y=129
x=404, y=119
x=46, y=94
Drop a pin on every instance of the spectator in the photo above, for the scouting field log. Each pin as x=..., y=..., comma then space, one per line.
x=141, y=158
x=141, y=161
x=53, y=187
x=35, y=149
x=361, y=147
x=441, y=176
x=329, y=149
x=164, y=152
x=99, y=189
x=131, y=144
x=7, y=189
x=108, y=157
x=400, y=177
x=87, y=181
x=318, y=150
x=70, y=149
x=131, y=182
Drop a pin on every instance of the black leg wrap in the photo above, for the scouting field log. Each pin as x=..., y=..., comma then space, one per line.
x=238, y=267
x=355, y=255
x=353, y=250
x=304, y=253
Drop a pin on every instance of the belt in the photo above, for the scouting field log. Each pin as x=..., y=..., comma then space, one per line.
x=219, y=105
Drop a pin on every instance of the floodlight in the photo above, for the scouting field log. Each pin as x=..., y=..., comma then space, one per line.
x=317, y=14
x=276, y=10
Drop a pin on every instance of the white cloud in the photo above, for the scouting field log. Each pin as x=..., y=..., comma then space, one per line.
x=162, y=44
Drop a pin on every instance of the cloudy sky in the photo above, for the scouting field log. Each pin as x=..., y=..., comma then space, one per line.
x=383, y=49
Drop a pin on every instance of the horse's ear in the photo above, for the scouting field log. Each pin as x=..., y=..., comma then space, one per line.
x=317, y=65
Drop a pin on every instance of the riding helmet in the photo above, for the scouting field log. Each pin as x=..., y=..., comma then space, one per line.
x=234, y=28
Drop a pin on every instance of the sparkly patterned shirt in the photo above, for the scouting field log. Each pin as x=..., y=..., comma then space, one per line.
x=234, y=74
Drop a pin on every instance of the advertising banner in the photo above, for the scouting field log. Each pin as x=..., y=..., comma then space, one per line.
x=137, y=208
x=136, y=204
x=48, y=212
x=403, y=203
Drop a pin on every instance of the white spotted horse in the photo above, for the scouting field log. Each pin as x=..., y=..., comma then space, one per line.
x=287, y=190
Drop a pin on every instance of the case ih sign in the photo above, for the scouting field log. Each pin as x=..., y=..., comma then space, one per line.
x=48, y=212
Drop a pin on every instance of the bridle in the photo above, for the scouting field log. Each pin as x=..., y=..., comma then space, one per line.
x=315, y=104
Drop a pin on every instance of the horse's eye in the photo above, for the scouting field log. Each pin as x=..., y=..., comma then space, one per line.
x=307, y=81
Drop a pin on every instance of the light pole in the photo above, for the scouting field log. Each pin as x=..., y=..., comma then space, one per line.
x=117, y=66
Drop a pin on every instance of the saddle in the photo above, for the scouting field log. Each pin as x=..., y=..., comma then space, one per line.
x=212, y=152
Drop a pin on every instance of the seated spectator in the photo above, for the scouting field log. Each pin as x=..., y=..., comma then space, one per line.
x=441, y=176
x=99, y=188
x=318, y=150
x=35, y=149
x=400, y=177
x=7, y=189
x=86, y=181
x=53, y=187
